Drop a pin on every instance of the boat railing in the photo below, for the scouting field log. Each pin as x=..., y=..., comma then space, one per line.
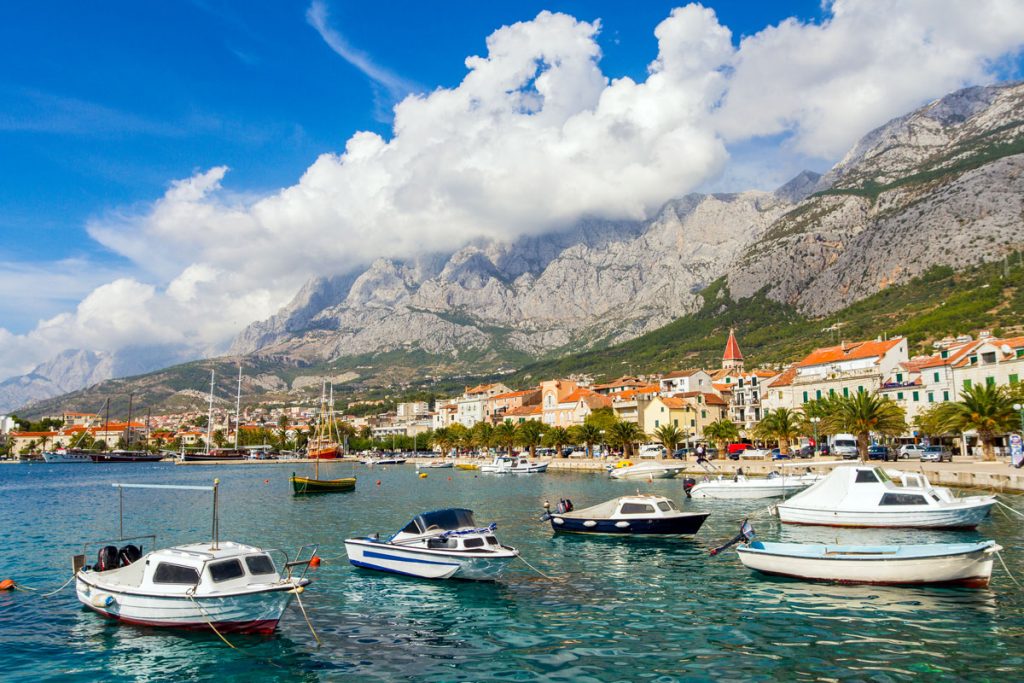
x=290, y=564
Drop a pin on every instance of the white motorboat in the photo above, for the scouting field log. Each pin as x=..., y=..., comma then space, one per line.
x=225, y=586
x=638, y=515
x=443, y=544
x=868, y=496
x=968, y=564
x=384, y=460
x=67, y=455
x=439, y=465
x=644, y=470
x=742, y=487
x=504, y=464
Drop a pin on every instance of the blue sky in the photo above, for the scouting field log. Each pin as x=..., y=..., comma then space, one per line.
x=174, y=171
x=102, y=104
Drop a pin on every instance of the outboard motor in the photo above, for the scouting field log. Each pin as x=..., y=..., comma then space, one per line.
x=688, y=484
x=128, y=554
x=106, y=559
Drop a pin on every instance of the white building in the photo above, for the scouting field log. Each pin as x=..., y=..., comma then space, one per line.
x=470, y=406
x=685, y=381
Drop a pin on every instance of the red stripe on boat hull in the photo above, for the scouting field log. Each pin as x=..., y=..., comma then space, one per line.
x=261, y=627
x=969, y=582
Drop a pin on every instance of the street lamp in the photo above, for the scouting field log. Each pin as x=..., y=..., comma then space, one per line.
x=814, y=425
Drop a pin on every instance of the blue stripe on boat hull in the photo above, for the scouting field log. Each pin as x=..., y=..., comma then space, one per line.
x=398, y=558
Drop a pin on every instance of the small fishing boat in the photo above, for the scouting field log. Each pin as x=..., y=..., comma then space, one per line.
x=384, y=460
x=625, y=469
x=504, y=464
x=223, y=586
x=314, y=484
x=638, y=515
x=68, y=455
x=967, y=564
x=867, y=496
x=747, y=488
x=468, y=466
x=443, y=544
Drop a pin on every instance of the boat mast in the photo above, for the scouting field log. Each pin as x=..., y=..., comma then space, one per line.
x=128, y=425
x=106, y=425
x=209, y=418
x=238, y=406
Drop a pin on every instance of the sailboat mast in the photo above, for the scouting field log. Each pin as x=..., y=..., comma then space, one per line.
x=128, y=426
x=238, y=406
x=106, y=425
x=209, y=417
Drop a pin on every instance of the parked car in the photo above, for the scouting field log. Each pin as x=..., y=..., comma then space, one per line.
x=845, y=446
x=880, y=452
x=777, y=455
x=734, y=449
x=682, y=453
x=805, y=452
x=911, y=450
x=651, y=450
x=937, y=454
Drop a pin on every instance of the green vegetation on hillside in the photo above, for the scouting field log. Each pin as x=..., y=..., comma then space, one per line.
x=940, y=302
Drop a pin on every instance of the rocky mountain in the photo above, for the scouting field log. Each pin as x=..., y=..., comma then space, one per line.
x=941, y=186
x=76, y=368
x=596, y=284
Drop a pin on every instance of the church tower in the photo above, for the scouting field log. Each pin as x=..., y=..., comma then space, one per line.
x=732, y=359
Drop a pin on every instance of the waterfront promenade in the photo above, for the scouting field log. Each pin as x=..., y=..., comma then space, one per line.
x=962, y=472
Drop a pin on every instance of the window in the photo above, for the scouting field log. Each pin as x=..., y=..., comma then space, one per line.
x=693, y=423
x=931, y=397
x=917, y=396
x=902, y=499
x=260, y=564
x=990, y=381
x=175, y=573
x=491, y=540
x=805, y=396
x=226, y=570
x=846, y=392
x=473, y=543
x=656, y=425
x=663, y=506
x=935, y=377
x=989, y=357
x=945, y=395
x=675, y=421
x=899, y=376
x=703, y=414
x=636, y=509
x=944, y=354
x=1014, y=379
x=817, y=393
x=899, y=395
x=967, y=384
x=866, y=477
x=663, y=409
x=831, y=392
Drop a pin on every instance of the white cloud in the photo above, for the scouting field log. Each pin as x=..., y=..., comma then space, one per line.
x=534, y=138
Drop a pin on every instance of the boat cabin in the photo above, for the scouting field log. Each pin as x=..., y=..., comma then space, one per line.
x=230, y=567
x=868, y=487
x=448, y=529
x=647, y=506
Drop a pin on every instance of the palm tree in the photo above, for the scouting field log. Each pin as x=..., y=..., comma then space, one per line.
x=782, y=425
x=482, y=432
x=458, y=434
x=442, y=438
x=625, y=434
x=504, y=436
x=865, y=413
x=530, y=434
x=722, y=432
x=669, y=436
x=557, y=437
x=588, y=435
x=984, y=408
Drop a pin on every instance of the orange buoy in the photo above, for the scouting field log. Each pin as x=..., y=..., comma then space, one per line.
x=423, y=475
x=314, y=561
x=449, y=478
x=6, y=585
x=266, y=481
x=378, y=482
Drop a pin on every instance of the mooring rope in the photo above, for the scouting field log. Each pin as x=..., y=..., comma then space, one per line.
x=549, y=578
x=1013, y=510
x=1007, y=569
x=209, y=621
x=29, y=589
x=298, y=599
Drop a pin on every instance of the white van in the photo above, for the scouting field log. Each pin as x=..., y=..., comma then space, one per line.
x=845, y=446
x=652, y=450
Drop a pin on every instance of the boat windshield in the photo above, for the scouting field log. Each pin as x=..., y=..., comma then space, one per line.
x=446, y=520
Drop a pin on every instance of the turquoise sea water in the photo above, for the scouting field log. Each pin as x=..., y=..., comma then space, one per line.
x=613, y=610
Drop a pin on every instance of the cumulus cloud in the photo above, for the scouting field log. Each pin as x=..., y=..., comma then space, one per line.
x=534, y=138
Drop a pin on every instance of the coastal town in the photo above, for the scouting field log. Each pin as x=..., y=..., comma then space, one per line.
x=674, y=412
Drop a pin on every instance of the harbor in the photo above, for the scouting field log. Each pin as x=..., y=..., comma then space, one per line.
x=604, y=609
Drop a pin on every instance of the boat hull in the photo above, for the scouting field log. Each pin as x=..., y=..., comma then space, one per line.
x=967, y=516
x=304, y=485
x=202, y=457
x=643, y=473
x=114, y=457
x=967, y=568
x=747, y=490
x=426, y=564
x=66, y=458
x=254, y=612
x=683, y=525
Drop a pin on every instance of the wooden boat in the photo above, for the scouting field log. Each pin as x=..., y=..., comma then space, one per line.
x=468, y=466
x=967, y=564
x=443, y=544
x=868, y=496
x=639, y=515
x=227, y=587
x=302, y=485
